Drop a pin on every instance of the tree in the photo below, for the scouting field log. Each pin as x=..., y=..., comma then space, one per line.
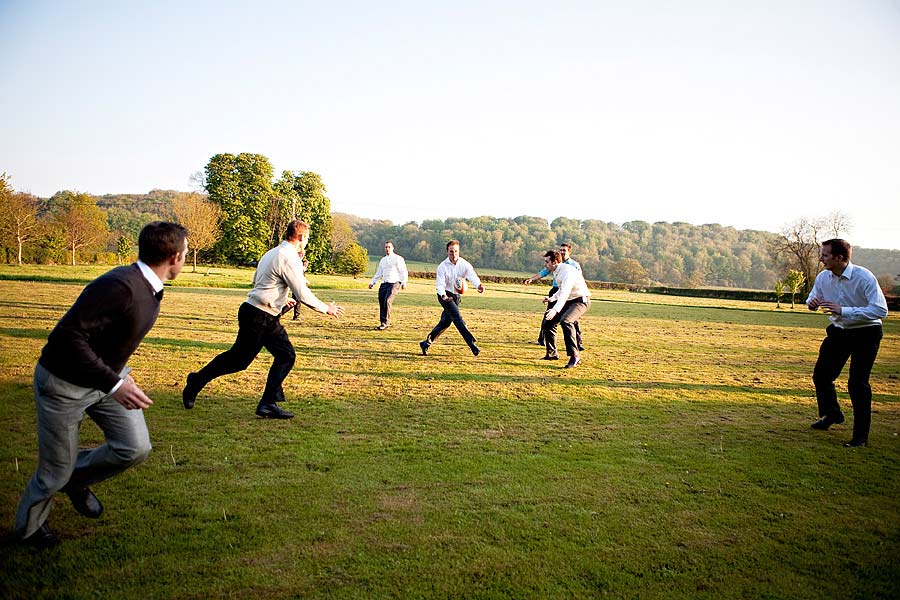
x=18, y=216
x=313, y=207
x=341, y=235
x=794, y=281
x=203, y=220
x=123, y=249
x=82, y=223
x=779, y=291
x=797, y=245
x=242, y=187
x=629, y=270
x=352, y=260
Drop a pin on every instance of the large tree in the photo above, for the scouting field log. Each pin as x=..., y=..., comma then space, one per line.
x=797, y=245
x=80, y=221
x=203, y=220
x=306, y=189
x=242, y=187
x=18, y=216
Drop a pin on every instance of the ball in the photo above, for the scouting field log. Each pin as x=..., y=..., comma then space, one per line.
x=460, y=286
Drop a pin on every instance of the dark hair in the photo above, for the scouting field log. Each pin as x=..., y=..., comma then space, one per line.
x=839, y=247
x=553, y=255
x=450, y=243
x=294, y=229
x=566, y=245
x=159, y=240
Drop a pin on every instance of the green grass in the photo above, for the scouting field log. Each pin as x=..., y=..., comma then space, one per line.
x=676, y=462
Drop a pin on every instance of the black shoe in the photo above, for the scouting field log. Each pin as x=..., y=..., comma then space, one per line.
x=540, y=342
x=475, y=349
x=272, y=411
x=548, y=357
x=424, y=346
x=827, y=421
x=573, y=362
x=41, y=539
x=580, y=347
x=84, y=501
x=189, y=394
x=856, y=444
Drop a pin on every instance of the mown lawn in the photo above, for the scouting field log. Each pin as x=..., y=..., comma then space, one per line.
x=676, y=462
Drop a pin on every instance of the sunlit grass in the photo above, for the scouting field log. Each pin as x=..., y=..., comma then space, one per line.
x=676, y=462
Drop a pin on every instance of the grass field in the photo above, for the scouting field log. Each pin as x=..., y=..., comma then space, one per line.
x=677, y=462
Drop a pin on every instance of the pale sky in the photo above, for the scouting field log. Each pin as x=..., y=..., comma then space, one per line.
x=743, y=113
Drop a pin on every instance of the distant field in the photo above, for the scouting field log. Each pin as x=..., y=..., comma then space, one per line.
x=677, y=462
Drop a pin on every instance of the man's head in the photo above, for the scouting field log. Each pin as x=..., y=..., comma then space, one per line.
x=297, y=232
x=388, y=248
x=565, y=251
x=552, y=258
x=835, y=254
x=163, y=243
x=453, y=251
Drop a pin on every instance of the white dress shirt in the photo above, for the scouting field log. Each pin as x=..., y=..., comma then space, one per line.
x=392, y=269
x=571, y=285
x=279, y=269
x=857, y=292
x=448, y=273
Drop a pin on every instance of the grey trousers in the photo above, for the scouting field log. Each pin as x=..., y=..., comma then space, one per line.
x=61, y=407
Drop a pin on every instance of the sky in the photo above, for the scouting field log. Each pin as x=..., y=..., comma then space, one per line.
x=750, y=114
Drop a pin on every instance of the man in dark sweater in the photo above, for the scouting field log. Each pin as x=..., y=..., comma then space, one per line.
x=82, y=370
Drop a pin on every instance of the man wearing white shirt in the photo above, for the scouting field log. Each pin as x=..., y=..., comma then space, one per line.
x=392, y=271
x=565, y=253
x=259, y=325
x=568, y=304
x=454, y=269
x=852, y=298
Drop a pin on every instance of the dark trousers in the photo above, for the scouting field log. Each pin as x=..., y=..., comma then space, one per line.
x=568, y=320
x=578, y=340
x=451, y=316
x=257, y=329
x=860, y=346
x=386, y=294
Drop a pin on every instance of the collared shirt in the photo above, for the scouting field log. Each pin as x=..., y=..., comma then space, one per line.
x=569, y=261
x=278, y=270
x=857, y=292
x=571, y=285
x=151, y=277
x=448, y=273
x=392, y=268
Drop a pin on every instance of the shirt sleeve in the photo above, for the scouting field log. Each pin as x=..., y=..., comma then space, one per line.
x=439, y=279
x=404, y=273
x=296, y=280
x=471, y=275
x=875, y=308
x=378, y=271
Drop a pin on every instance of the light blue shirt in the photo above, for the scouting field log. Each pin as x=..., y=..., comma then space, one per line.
x=857, y=292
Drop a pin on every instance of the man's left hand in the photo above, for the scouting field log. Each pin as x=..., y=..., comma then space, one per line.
x=832, y=308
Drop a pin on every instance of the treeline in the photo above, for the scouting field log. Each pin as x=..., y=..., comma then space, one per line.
x=676, y=254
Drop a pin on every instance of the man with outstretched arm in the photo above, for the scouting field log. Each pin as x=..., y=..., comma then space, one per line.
x=394, y=275
x=567, y=305
x=565, y=252
x=852, y=298
x=259, y=324
x=453, y=272
x=82, y=371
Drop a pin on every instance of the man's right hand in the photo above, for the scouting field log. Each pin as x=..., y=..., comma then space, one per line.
x=334, y=310
x=131, y=396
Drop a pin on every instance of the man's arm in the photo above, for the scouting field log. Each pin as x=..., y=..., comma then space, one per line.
x=404, y=272
x=378, y=273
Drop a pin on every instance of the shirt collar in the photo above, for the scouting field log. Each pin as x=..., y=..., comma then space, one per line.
x=151, y=277
x=848, y=272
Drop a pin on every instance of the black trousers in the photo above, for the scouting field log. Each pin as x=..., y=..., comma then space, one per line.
x=860, y=346
x=568, y=320
x=541, y=341
x=257, y=329
x=386, y=293
x=451, y=316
